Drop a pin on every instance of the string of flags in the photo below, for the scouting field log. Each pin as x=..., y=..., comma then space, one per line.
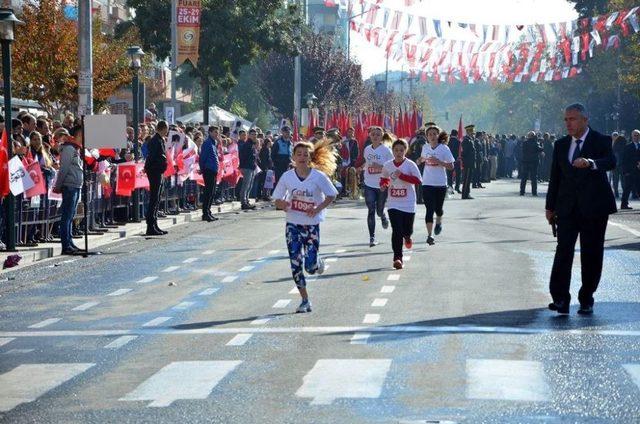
x=449, y=51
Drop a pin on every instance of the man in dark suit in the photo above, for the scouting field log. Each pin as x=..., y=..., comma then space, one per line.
x=531, y=150
x=454, y=146
x=630, y=169
x=468, y=161
x=154, y=166
x=209, y=164
x=579, y=202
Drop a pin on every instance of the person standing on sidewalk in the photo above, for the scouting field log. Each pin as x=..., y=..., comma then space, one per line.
x=248, y=156
x=468, y=161
x=69, y=182
x=579, y=202
x=630, y=169
x=209, y=167
x=154, y=166
x=531, y=150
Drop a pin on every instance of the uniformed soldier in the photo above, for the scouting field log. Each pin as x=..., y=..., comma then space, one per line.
x=479, y=160
x=468, y=161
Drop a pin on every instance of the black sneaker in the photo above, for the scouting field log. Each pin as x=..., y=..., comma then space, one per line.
x=438, y=229
x=430, y=241
x=585, y=310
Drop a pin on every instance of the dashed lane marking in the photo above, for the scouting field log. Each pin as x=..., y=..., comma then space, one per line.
x=119, y=292
x=274, y=252
x=85, y=306
x=393, y=277
x=282, y=303
x=156, y=321
x=147, y=280
x=208, y=292
x=230, y=279
x=371, y=318
x=189, y=260
x=360, y=338
x=239, y=339
x=246, y=268
x=379, y=303
x=170, y=269
x=18, y=351
x=626, y=228
x=387, y=289
x=208, y=252
x=294, y=291
x=183, y=306
x=261, y=321
x=341, y=251
x=329, y=260
x=119, y=342
x=6, y=340
x=45, y=323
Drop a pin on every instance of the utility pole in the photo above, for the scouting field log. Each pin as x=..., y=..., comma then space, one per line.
x=297, y=73
x=85, y=71
x=174, y=55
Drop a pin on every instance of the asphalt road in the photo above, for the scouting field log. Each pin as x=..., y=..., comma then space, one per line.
x=198, y=326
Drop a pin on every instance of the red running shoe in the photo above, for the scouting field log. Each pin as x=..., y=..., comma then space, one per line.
x=408, y=243
x=397, y=264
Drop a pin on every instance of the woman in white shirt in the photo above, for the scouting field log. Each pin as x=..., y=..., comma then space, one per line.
x=437, y=159
x=303, y=193
x=375, y=156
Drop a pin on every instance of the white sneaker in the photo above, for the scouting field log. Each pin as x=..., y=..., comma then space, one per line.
x=305, y=306
x=320, y=270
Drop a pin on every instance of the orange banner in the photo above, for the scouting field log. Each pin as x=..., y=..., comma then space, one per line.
x=188, y=20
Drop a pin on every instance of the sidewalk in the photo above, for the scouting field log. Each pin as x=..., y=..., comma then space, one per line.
x=32, y=255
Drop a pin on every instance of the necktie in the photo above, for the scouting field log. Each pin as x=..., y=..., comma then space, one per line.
x=576, y=152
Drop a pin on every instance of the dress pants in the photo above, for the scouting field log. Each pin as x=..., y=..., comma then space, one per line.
x=458, y=175
x=209, y=190
x=591, y=231
x=155, y=184
x=466, y=181
x=529, y=171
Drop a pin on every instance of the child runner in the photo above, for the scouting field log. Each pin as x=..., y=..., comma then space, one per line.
x=303, y=193
x=437, y=159
x=399, y=177
x=375, y=155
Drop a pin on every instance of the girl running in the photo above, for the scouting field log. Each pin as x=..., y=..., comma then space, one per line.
x=399, y=177
x=375, y=155
x=303, y=193
x=437, y=159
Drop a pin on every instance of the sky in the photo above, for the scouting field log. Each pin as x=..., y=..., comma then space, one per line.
x=516, y=12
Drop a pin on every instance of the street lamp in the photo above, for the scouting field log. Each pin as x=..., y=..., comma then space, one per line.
x=8, y=22
x=310, y=99
x=135, y=54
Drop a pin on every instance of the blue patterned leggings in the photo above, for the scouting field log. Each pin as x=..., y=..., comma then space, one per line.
x=303, y=242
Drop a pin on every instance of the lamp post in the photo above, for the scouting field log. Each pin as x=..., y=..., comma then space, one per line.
x=310, y=99
x=135, y=54
x=8, y=22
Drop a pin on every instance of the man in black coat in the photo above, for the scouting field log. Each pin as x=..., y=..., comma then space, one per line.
x=154, y=166
x=531, y=150
x=579, y=202
x=479, y=160
x=630, y=169
x=468, y=161
x=454, y=146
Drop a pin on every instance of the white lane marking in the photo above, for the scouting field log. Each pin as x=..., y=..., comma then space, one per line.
x=294, y=291
x=182, y=380
x=261, y=321
x=379, y=302
x=360, y=338
x=626, y=228
x=85, y=306
x=274, y=252
x=506, y=380
x=387, y=289
x=5, y=340
x=259, y=261
x=156, y=321
x=341, y=251
x=230, y=279
x=634, y=372
x=147, y=280
x=406, y=258
x=239, y=339
x=393, y=277
x=329, y=260
x=371, y=318
x=246, y=268
x=189, y=260
x=282, y=303
x=119, y=292
x=208, y=292
x=45, y=323
x=28, y=382
x=119, y=342
x=208, y=252
x=182, y=306
x=18, y=351
x=314, y=277
x=170, y=269
x=331, y=379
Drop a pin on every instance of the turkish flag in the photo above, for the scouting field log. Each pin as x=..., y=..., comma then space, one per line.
x=170, y=169
x=196, y=176
x=108, y=153
x=126, y=179
x=4, y=165
x=36, y=175
x=142, y=181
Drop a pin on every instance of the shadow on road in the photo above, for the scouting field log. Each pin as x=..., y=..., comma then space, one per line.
x=209, y=324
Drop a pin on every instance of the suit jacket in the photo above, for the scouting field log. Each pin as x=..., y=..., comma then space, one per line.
x=156, y=161
x=468, y=152
x=630, y=159
x=587, y=191
x=454, y=146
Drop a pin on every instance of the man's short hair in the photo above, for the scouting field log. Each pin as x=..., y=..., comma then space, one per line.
x=28, y=118
x=578, y=107
x=162, y=125
x=636, y=132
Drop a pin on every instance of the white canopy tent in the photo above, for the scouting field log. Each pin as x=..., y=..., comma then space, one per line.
x=218, y=116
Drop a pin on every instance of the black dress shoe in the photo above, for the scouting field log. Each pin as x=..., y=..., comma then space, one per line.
x=585, y=310
x=626, y=207
x=467, y=198
x=153, y=232
x=560, y=307
x=70, y=251
x=161, y=231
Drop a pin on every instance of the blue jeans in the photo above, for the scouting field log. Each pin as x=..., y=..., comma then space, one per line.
x=375, y=200
x=70, y=197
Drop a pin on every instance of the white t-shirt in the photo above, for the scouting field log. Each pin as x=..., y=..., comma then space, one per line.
x=401, y=195
x=304, y=195
x=436, y=175
x=380, y=156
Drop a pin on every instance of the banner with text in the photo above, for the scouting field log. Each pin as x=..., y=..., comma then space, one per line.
x=188, y=21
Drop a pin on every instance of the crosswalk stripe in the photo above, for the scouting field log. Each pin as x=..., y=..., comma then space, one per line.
x=147, y=279
x=506, y=380
x=332, y=379
x=387, y=289
x=85, y=306
x=28, y=382
x=156, y=321
x=239, y=339
x=208, y=292
x=119, y=292
x=360, y=338
x=45, y=323
x=371, y=318
x=282, y=303
x=229, y=279
x=5, y=340
x=170, y=269
x=182, y=381
x=379, y=303
x=634, y=372
x=119, y=342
